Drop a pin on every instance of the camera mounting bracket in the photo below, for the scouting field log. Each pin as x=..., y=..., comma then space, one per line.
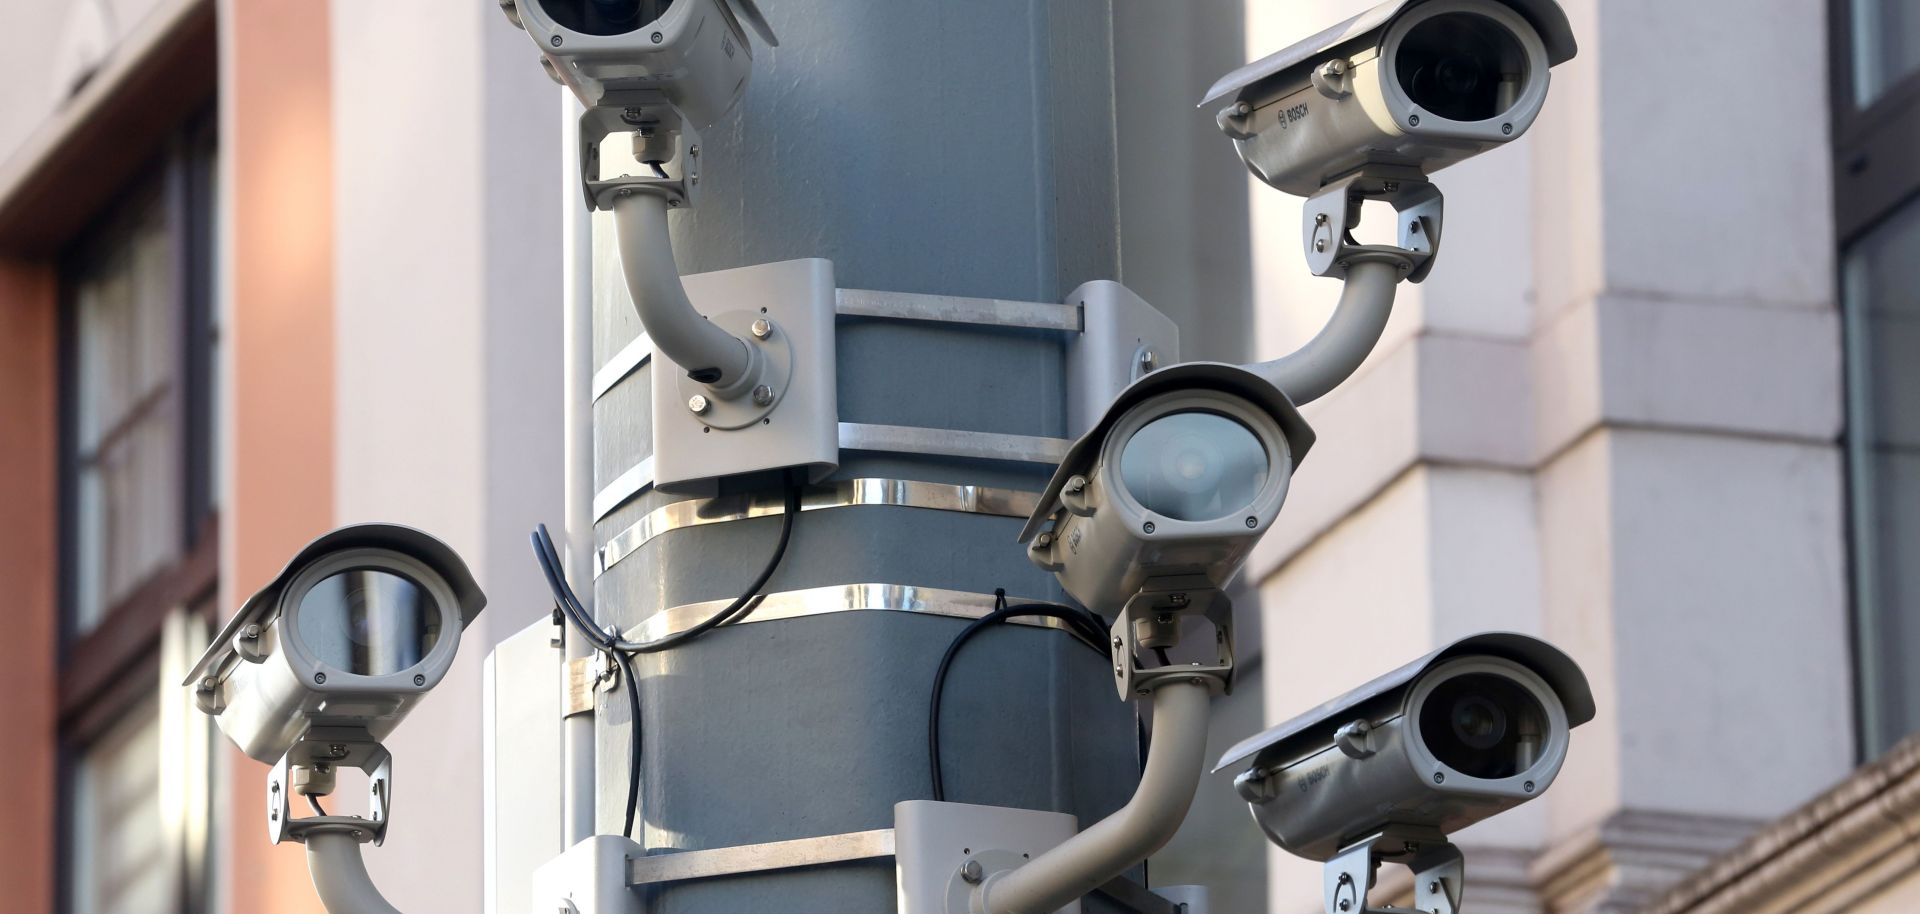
x=309, y=769
x=1331, y=214
x=1439, y=872
x=1151, y=620
x=660, y=134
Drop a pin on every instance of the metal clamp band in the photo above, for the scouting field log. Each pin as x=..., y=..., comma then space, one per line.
x=625, y=362
x=853, y=847
x=956, y=310
x=941, y=442
x=634, y=481
x=820, y=601
x=686, y=866
x=846, y=493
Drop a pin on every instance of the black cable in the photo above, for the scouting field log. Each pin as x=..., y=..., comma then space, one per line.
x=314, y=802
x=633, y=741
x=1081, y=625
x=1160, y=654
x=567, y=602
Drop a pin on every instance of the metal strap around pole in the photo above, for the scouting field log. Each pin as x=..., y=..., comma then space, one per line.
x=940, y=442
x=954, y=309
x=846, y=493
x=686, y=866
x=839, y=598
x=625, y=362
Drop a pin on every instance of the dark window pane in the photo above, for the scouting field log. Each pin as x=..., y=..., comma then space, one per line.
x=1886, y=46
x=1882, y=305
x=125, y=413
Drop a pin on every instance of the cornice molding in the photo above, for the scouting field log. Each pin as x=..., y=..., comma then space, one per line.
x=1844, y=846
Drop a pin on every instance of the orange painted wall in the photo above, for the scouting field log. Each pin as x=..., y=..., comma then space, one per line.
x=276, y=116
x=29, y=537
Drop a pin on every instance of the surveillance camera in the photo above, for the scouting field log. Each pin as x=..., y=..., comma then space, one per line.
x=1177, y=481
x=1410, y=84
x=691, y=54
x=1460, y=735
x=362, y=623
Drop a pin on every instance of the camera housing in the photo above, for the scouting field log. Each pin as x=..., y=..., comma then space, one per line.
x=1460, y=735
x=345, y=640
x=691, y=54
x=1183, y=474
x=1410, y=84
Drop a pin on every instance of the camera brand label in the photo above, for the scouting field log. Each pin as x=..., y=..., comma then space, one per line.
x=1313, y=777
x=1290, y=115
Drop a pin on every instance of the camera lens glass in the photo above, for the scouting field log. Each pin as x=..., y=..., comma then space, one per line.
x=1483, y=726
x=1462, y=66
x=368, y=621
x=604, y=17
x=1194, y=466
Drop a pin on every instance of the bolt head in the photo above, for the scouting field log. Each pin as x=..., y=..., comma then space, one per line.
x=1149, y=360
x=1253, y=522
x=1148, y=526
x=320, y=679
x=419, y=679
x=972, y=872
x=556, y=41
x=251, y=632
x=698, y=405
x=762, y=395
x=762, y=328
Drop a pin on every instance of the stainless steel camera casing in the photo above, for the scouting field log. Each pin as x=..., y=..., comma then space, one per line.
x=266, y=688
x=695, y=56
x=1334, y=104
x=1358, y=765
x=1104, y=546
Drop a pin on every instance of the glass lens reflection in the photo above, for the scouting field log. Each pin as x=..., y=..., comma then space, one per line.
x=1483, y=726
x=604, y=17
x=368, y=621
x=1194, y=466
x=1462, y=67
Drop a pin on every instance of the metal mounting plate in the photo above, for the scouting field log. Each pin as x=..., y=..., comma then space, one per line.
x=801, y=429
x=932, y=841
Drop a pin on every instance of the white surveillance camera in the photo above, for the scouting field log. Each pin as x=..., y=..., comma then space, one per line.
x=359, y=625
x=1175, y=484
x=637, y=54
x=1458, y=736
x=1410, y=84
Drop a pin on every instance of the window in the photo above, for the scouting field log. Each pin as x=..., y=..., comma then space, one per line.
x=139, y=554
x=1876, y=127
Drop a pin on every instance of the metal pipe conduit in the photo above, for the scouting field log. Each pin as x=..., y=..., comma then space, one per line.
x=340, y=875
x=679, y=332
x=1148, y=821
x=1335, y=353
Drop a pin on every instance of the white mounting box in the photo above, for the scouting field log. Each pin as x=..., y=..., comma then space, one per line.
x=693, y=451
x=932, y=841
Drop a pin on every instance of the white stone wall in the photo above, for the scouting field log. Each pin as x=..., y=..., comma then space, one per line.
x=1610, y=418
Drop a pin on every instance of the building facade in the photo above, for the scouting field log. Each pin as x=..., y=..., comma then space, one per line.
x=272, y=266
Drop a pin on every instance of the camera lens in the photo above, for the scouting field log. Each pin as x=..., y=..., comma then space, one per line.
x=604, y=17
x=368, y=621
x=1461, y=66
x=1194, y=466
x=1483, y=726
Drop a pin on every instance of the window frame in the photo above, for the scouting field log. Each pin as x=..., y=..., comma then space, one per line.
x=1875, y=176
x=105, y=672
x=1874, y=168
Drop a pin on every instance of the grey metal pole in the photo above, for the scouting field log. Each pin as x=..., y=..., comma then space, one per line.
x=922, y=150
x=576, y=357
